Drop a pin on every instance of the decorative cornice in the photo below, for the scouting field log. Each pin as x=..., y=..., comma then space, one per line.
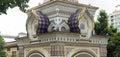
x=14, y=43
x=77, y=4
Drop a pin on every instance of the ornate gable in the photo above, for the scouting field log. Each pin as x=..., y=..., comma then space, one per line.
x=57, y=16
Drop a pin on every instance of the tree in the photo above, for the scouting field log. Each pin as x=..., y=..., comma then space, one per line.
x=101, y=27
x=2, y=47
x=113, y=47
x=6, y=4
x=112, y=30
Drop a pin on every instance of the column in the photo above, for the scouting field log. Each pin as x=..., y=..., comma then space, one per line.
x=21, y=51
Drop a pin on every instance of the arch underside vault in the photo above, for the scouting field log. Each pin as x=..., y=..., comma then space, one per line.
x=35, y=55
x=83, y=54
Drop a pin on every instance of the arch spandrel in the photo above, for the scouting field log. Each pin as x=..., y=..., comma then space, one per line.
x=40, y=51
x=76, y=52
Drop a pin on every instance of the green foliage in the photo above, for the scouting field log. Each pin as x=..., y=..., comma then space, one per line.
x=2, y=48
x=101, y=27
x=112, y=31
x=97, y=28
x=113, y=47
x=6, y=4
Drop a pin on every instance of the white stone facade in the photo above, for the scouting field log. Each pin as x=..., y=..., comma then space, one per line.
x=62, y=42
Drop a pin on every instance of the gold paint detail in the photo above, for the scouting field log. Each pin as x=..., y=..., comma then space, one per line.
x=81, y=15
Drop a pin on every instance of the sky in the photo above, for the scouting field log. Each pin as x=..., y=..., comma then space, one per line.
x=15, y=20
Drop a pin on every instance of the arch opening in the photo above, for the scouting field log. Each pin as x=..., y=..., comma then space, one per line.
x=83, y=55
x=35, y=55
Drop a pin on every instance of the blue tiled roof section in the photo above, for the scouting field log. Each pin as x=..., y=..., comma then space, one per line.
x=73, y=22
x=43, y=23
